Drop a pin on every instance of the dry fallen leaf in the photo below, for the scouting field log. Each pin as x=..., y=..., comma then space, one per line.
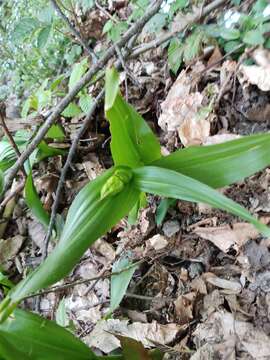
x=184, y=307
x=258, y=74
x=225, y=237
x=9, y=248
x=221, y=328
x=231, y=285
x=157, y=242
x=101, y=337
x=185, y=110
x=220, y=138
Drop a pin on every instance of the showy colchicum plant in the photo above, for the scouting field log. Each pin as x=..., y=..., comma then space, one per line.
x=190, y=174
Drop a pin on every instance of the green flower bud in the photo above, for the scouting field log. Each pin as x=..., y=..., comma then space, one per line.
x=116, y=183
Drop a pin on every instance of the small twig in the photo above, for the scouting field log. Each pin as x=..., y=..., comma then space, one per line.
x=105, y=12
x=162, y=39
x=64, y=171
x=119, y=54
x=8, y=134
x=133, y=30
x=74, y=31
x=106, y=275
x=12, y=193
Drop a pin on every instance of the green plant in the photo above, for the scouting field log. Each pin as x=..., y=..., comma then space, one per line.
x=233, y=32
x=190, y=174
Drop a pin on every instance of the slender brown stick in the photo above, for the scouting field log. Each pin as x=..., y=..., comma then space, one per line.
x=104, y=275
x=161, y=40
x=134, y=29
x=74, y=31
x=12, y=193
x=8, y=134
x=64, y=171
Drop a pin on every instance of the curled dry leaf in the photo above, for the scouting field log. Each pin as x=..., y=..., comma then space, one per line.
x=9, y=248
x=220, y=138
x=227, y=335
x=184, y=110
x=101, y=337
x=157, y=242
x=184, y=307
x=231, y=285
x=258, y=74
x=226, y=237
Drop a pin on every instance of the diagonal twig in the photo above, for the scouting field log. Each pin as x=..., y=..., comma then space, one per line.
x=74, y=31
x=64, y=171
x=134, y=29
x=8, y=134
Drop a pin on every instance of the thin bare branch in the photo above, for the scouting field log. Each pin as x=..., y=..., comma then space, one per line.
x=64, y=171
x=74, y=31
x=134, y=29
x=8, y=134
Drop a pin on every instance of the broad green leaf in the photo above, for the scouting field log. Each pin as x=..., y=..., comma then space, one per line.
x=46, y=14
x=88, y=218
x=45, y=151
x=43, y=98
x=77, y=73
x=222, y=164
x=25, y=335
x=86, y=103
x=7, y=153
x=23, y=28
x=71, y=110
x=230, y=34
x=156, y=23
x=192, y=46
x=61, y=317
x=55, y=132
x=120, y=282
x=107, y=26
x=33, y=201
x=162, y=209
x=2, y=181
x=164, y=182
x=4, y=280
x=43, y=36
x=232, y=46
x=86, y=4
x=133, y=142
x=175, y=54
x=253, y=37
x=134, y=212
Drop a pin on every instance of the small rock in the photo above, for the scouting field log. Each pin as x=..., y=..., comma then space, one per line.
x=171, y=227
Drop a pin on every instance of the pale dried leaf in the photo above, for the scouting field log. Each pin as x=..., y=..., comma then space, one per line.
x=184, y=307
x=225, y=237
x=231, y=285
x=194, y=131
x=220, y=138
x=157, y=242
x=9, y=248
x=101, y=337
x=258, y=74
x=222, y=327
x=105, y=249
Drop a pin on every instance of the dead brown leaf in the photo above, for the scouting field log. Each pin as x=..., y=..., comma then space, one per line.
x=221, y=328
x=184, y=110
x=183, y=306
x=231, y=285
x=225, y=237
x=9, y=248
x=101, y=337
x=258, y=74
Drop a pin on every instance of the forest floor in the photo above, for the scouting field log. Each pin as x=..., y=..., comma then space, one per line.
x=202, y=286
